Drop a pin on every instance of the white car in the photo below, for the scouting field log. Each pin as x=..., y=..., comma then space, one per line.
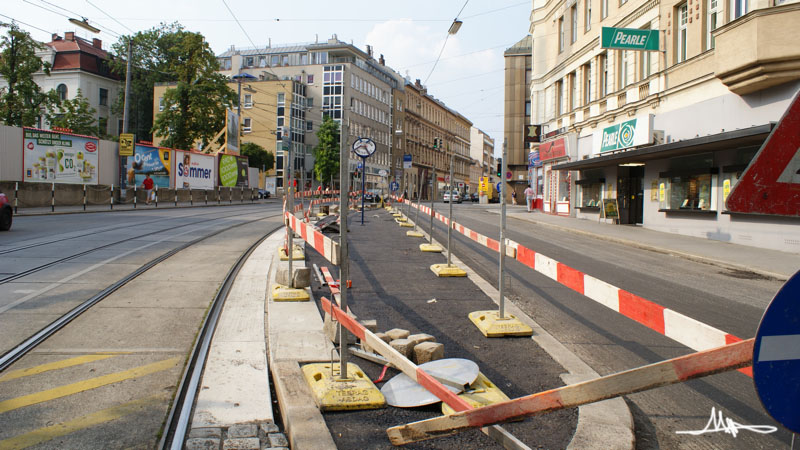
x=455, y=195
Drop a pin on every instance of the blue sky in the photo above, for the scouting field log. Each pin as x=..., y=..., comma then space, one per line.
x=410, y=34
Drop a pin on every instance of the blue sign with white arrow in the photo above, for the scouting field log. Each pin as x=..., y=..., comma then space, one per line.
x=394, y=186
x=776, y=356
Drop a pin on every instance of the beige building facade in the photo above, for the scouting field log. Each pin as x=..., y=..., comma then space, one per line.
x=517, y=114
x=665, y=135
x=481, y=151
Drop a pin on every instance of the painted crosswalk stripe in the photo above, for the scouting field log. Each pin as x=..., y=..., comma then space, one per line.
x=63, y=364
x=779, y=348
x=81, y=386
x=62, y=429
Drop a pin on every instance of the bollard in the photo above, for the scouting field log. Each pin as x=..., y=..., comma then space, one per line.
x=16, y=198
x=191, y=200
x=84, y=197
x=241, y=195
x=111, y=196
x=433, y=192
x=156, y=196
x=205, y=194
x=219, y=194
x=176, y=196
x=53, y=198
x=134, y=196
x=230, y=195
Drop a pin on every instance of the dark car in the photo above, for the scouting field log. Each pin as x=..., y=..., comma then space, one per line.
x=263, y=193
x=6, y=213
x=474, y=197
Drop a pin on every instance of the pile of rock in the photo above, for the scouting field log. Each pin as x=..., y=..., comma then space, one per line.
x=420, y=348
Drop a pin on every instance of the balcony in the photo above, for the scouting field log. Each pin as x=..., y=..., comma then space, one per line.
x=759, y=50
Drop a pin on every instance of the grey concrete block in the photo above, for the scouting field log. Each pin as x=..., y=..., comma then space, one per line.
x=404, y=346
x=398, y=333
x=202, y=444
x=370, y=324
x=269, y=427
x=420, y=338
x=428, y=351
x=331, y=330
x=302, y=277
x=384, y=337
x=277, y=440
x=242, y=431
x=282, y=276
x=241, y=444
x=205, y=433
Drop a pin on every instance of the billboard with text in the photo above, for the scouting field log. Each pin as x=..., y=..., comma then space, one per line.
x=194, y=170
x=55, y=157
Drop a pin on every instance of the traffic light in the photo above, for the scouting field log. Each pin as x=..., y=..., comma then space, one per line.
x=436, y=143
x=500, y=168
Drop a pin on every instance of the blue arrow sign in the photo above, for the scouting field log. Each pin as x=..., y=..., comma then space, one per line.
x=394, y=186
x=499, y=186
x=776, y=356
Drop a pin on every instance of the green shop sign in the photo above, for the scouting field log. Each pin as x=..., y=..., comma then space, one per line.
x=618, y=136
x=629, y=39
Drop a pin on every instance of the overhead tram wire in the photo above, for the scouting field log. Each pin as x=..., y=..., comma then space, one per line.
x=26, y=24
x=110, y=17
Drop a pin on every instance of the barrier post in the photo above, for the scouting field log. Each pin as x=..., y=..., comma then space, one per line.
x=156, y=196
x=449, y=270
x=111, y=196
x=241, y=195
x=84, y=197
x=415, y=232
x=53, y=197
x=134, y=196
x=433, y=195
x=219, y=194
x=205, y=193
x=191, y=199
x=230, y=195
x=176, y=196
x=16, y=196
x=344, y=265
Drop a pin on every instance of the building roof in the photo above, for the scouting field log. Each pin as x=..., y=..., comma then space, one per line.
x=73, y=52
x=525, y=45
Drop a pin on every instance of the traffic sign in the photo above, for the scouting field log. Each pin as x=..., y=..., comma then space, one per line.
x=499, y=186
x=508, y=175
x=361, y=164
x=126, y=144
x=394, y=186
x=460, y=185
x=776, y=356
x=447, y=179
x=629, y=38
x=364, y=147
x=771, y=183
x=406, y=161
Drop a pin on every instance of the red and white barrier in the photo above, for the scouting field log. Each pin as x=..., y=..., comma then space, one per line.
x=681, y=328
x=314, y=238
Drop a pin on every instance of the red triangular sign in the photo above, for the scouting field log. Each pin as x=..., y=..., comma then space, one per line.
x=771, y=183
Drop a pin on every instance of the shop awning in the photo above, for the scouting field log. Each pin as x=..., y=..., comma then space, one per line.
x=730, y=139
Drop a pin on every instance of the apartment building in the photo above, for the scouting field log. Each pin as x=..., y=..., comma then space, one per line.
x=342, y=82
x=426, y=119
x=481, y=150
x=517, y=114
x=663, y=136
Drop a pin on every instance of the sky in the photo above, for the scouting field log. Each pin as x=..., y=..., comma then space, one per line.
x=411, y=34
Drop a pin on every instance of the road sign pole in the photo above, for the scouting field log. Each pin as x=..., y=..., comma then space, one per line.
x=344, y=268
x=363, y=180
x=290, y=208
x=501, y=279
x=450, y=219
x=419, y=205
x=433, y=195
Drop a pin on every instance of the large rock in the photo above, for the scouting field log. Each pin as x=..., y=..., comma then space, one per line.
x=398, y=333
x=428, y=351
x=420, y=338
x=404, y=347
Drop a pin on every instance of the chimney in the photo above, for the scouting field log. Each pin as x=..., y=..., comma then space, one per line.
x=382, y=61
x=369, y=51
x=55, y=37
x=418, y=84
x=69, y=35
x=97, y=43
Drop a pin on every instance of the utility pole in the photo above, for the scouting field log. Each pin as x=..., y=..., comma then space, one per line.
x=344, y=267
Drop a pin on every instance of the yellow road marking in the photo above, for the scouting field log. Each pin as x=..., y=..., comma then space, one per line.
x=64, y=363
x=62, y=429
x=74, y=388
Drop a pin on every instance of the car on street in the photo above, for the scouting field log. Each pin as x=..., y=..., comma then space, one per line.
x=263, y=193
x=456, y=197
x=6, y=213
x=474, y=197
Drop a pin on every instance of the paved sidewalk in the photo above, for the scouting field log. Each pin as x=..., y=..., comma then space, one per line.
x=771, y=263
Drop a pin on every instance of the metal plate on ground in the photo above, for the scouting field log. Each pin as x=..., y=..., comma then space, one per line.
x=403, y=392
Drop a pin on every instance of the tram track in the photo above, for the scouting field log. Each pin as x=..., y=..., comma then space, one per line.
x=86, y=252
x=8, y=358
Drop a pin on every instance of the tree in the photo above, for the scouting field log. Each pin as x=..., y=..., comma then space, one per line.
x=326, y=153
x=258, y=156
x=77, y=115
x=22, y=102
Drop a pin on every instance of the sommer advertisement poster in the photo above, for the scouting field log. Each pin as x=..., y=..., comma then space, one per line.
x=152, y=160
x=54, y=157
x=194, y=170
x=232, y=171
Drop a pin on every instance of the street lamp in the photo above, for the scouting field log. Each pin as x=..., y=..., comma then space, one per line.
x=85, y=24
x=455, y=26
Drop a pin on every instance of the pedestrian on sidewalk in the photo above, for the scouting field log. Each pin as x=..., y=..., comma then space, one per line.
x=514, y=198
x=529, y=197
x=147, y=184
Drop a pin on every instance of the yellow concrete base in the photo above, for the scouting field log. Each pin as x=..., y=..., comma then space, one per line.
x=442, y=270
x=334, y=394
x=297, y=254
x=401, y=219
x=491, y=325
x=397, y=215
x=321, y=215
x=281, y=293
x=482, y=392
x=406, y=224
x=431, y=248
x=413, y=233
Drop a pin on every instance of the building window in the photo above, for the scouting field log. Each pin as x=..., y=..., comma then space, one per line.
x=274, y=60
x=103, y=97
x=587, y=84
x=246, y=125
x=738, y=8
x=589, y=194
x=573, y=14
x=559, y=98
x=310, y=79
x=603, y=83
x=248, y=100
x=561, y=34
x=587, y=10
x=645, y=63
x=62, y=91
x=686, y=192
x=603, y=9
x=160, y=103
x=528, y=108
x=622, y=81
x=683, y=20
x=573, y=96
x=712, y=21
x=249, y=61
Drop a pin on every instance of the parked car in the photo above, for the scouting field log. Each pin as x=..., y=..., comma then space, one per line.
x=456, y=197
x=6, y=213
x=263, y=193
x=474, y=197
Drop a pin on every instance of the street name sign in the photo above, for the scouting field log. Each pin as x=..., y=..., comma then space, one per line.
x=776, y=356
x=630, y=39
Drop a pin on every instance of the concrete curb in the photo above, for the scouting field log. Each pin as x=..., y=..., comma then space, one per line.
x=653, y=248
x=602, y=425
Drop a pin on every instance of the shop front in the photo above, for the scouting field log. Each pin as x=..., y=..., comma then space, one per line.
x=556, y=183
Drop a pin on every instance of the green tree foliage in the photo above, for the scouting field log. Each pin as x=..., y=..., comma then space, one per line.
x=194, y=104
x=326, y=153
x=257, y=156
x=77, y=115
x=22, y=102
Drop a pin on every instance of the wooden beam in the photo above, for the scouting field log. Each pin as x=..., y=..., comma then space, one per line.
x=676, y=370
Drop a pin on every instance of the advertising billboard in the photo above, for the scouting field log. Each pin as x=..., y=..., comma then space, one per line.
x=231, y=132
x=233, y=171
x=55, y=157
x=152, y=160
x=194, y=170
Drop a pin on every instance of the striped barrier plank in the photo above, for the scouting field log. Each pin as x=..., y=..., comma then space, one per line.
x=324, y=245
x=681, y=328
x=664, y=373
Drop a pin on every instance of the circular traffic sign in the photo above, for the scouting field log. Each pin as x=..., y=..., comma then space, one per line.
x=394, y=186
x=364, y=147
x=776, y=356
x=508, y=175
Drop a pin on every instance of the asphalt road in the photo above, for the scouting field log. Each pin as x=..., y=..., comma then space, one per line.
x=609, y=342
x=106, y=380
